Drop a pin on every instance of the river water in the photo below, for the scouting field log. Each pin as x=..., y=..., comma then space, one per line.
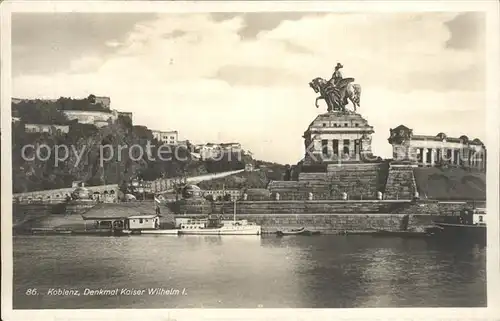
x=245, y=272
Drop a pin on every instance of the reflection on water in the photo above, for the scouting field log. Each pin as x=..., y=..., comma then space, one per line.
x=248, y=272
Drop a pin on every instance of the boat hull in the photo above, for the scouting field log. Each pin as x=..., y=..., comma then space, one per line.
x=50, y=232
x=462, y=232
x=160, y=232
x=222, y=231
x=102, y=232
x=401, y=234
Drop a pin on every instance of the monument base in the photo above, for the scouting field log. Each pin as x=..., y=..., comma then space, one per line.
x=338, y=137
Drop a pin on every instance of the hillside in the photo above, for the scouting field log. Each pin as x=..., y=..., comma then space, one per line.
x=123, y=147
x=450, y=184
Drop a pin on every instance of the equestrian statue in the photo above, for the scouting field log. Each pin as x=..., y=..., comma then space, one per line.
x=337, y=91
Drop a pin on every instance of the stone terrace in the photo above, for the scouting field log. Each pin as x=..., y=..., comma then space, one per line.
x=359, y=181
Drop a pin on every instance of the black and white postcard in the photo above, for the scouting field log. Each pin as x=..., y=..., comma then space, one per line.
x=250, y=160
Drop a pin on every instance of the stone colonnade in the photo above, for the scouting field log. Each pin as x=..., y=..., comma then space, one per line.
x=340, y=147
x=452, y=156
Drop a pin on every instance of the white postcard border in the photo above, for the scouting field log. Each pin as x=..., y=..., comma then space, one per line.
x=493, y=262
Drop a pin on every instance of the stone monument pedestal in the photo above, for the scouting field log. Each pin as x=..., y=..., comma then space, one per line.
x=337, y=137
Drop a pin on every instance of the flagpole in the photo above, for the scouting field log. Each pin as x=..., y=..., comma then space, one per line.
x=234, y=212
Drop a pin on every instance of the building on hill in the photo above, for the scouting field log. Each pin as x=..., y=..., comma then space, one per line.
x=170, y=137
x=126, y=114
x=103, y=101
x=99, y=118
x=213, y=150
x=208, y=150
x=231, y=146
x=46, y=128
x=438, y=150
x=235, y=194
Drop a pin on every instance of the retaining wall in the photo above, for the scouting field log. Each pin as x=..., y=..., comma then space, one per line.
x=335, y=223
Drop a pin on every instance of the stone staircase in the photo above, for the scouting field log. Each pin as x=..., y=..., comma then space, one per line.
x=289, y=190
x=400, y=183
x=359, y=181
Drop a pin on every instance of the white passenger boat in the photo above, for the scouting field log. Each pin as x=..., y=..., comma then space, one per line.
x=163, y=232
x=215, y=225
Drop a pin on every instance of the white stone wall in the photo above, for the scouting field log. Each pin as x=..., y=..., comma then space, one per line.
x=90, y=117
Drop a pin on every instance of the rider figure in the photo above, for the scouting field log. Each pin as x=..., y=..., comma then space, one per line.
x=336, y=79
x=337, y=75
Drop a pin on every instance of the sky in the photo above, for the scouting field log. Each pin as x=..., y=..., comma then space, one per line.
x=243, y=77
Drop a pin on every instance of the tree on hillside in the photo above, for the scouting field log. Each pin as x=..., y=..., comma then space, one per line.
x=39, y=112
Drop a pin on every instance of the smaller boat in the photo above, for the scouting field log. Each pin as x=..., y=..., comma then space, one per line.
x=298, y=231
x=307, y=232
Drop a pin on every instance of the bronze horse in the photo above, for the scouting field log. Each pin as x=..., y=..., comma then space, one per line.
x=331, y=94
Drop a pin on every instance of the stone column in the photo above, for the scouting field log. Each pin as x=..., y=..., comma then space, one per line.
x=357, y=149
x=316, y=150
x=341, y=149
x=330, y=149
x=461, y=156
x=348, y=147
x=352, y=149
x=335, y=148
x=433, y=156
